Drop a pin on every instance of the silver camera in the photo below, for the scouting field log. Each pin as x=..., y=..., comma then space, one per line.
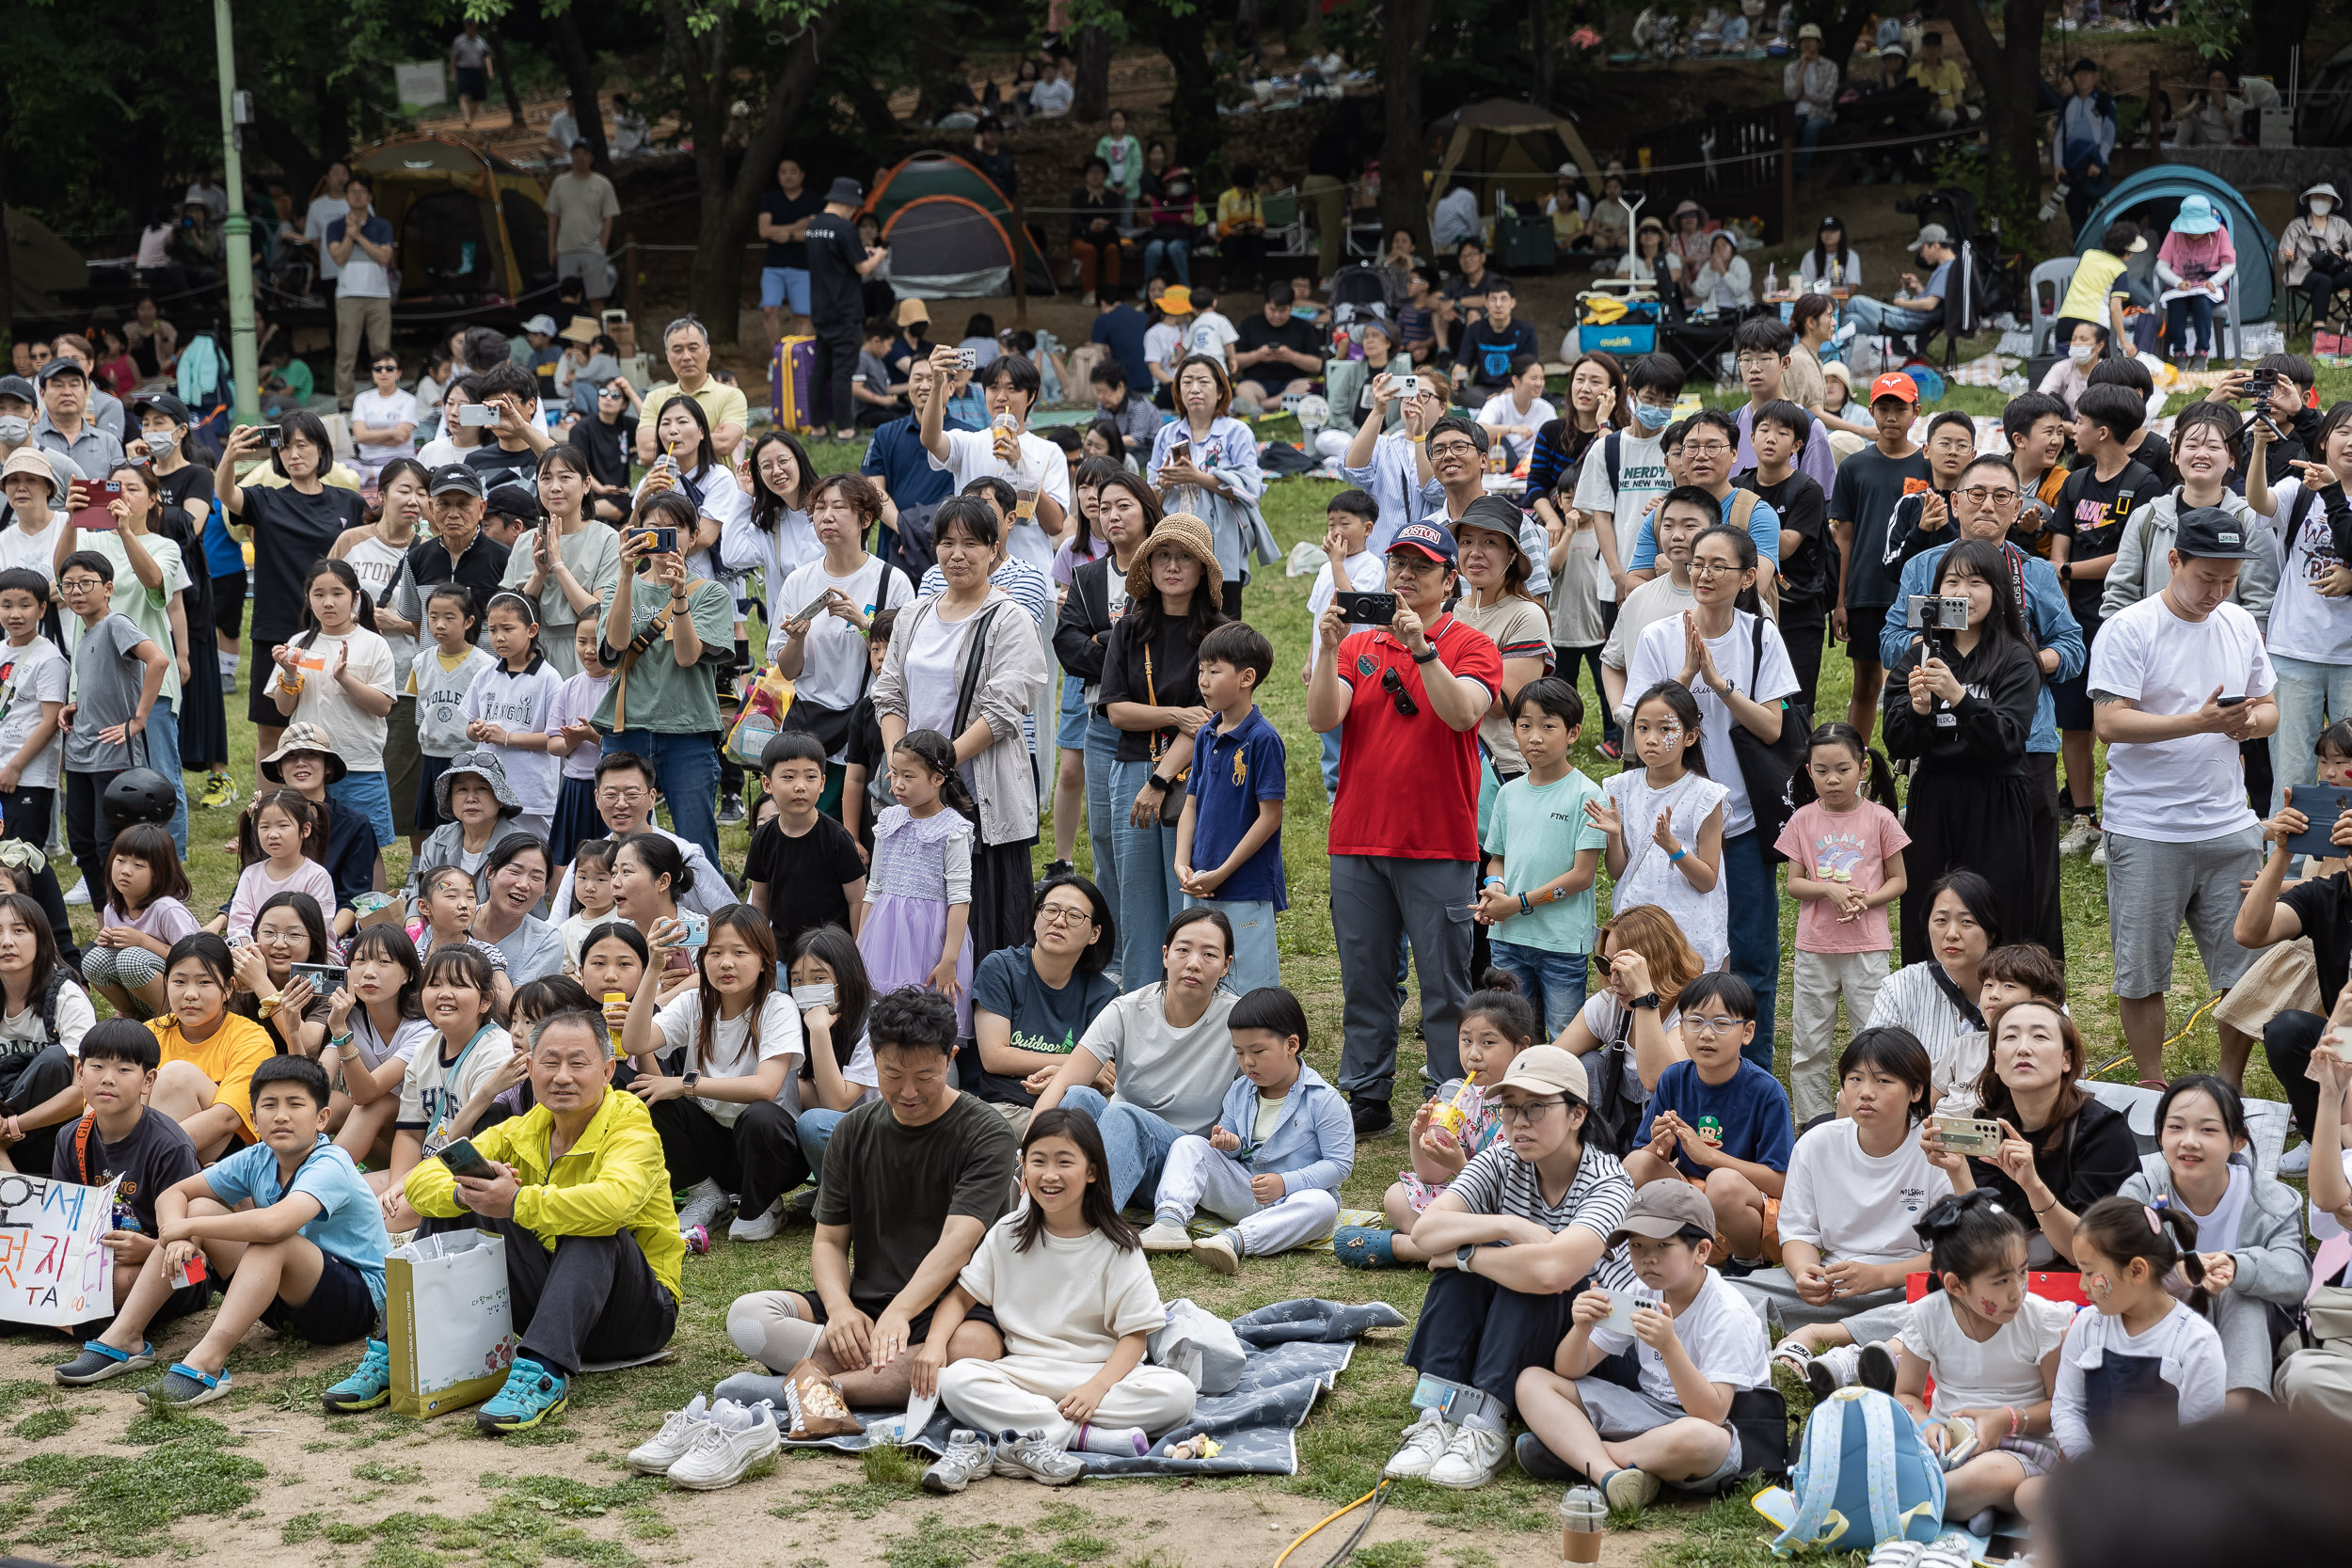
x=1932, y=612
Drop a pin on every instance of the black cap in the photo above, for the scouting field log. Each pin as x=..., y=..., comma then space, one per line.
x=514, y=500
x=2209, y=533
x=17, y=387
x=456, y=479
x=56, y=367
x=163, y=402
x=1494, y=514
x=845, y=192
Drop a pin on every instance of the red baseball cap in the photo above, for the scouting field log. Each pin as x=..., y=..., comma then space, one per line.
x=1894, y=384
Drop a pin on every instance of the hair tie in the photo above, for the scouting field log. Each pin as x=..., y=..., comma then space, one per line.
x=2155, y=1222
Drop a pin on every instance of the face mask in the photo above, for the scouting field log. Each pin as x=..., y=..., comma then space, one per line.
x=2082, y=353
x=1650, y=417
x=15, y=429
x=812, y=996
x=2321, y=207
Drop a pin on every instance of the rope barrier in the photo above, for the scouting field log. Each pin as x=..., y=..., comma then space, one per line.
x=1348, y=1547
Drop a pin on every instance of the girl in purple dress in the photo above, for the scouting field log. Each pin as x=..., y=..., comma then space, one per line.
x=918, y=892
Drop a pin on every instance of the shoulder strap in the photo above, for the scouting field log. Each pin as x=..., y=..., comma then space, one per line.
x=81, y=1148
x=1743, y=508
x=1611, y=451
x=970, y=684
x=656, y=630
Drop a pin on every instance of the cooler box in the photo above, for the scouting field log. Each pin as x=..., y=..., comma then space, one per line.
x=1618, y=338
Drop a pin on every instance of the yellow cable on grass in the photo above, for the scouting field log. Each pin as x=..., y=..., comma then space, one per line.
x=1324, y=1520
x=2204, y=1007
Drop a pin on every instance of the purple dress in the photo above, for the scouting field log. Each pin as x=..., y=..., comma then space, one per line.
x=917, y=862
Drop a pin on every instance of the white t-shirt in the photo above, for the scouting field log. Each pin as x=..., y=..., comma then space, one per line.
x=357, y=735
x=35, y=552
x=1052, y=100
x=433, y=1090
x=381, y=411
x=76, y=1017
x=834, y=657
x=1659, y=658
x=972, y=454
x=1500, y=410
x=1067, y=1299
x=524, y=703
x=29, y=676
x=2004, y=1369
x=407, y=1035
x=324, y=209
x=731, y=1055
x=1210, y=333
x=378, y=567
x=1179, y=1076
x=1163, y=345
x=1641, y=476
x=1853, y=1205
x=2303, y=623
x=1720, y=1330
x=1366, y=574
x=2183, y=1344
x=2191, y=789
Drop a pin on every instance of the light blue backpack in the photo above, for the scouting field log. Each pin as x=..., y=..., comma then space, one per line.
x=1862, y=1476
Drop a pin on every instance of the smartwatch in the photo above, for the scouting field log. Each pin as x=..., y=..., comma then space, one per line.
x=1158, y=784
x=691, y=1080
x=1462, y=1256
x=1429, y=657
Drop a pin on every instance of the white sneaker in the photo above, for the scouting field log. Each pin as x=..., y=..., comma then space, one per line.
x=706, y=1205
x=654, y=1456
x=79, y=897
x=757, y=1228
x=1630, y=1489
x=1221, y=1252
x=1033, y=1455
x=2098, y=855
x=1831, y=1370
x=2080, y=838
x=1164, y=1237
x=1471, y=1459
x=2295, y=1161
x=968, y=1458
x=735, y=1442
x=1425, y=1443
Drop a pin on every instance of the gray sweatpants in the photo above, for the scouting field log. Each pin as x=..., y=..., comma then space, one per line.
x=1374, y=900
x=1774, y=1296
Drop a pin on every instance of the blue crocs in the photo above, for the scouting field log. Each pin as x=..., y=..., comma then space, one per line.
x=532, y=1393
x=98, y=1361
x=1365, y=1246
x=369, y=1384
x=184, y=1386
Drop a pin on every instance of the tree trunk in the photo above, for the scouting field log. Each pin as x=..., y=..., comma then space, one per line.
x=2268, y=46
x=2009, y=68
x=507, y=76
x=1539, y=48
x=1192, y=117
x=1403, y=25
x=7, y=264
x=1842, y=29
x=1094, y=75
x=579, y=77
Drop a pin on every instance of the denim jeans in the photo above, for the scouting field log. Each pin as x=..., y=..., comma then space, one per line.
x=2308, y=695
x=1257, y=958
x=814, y=1129
x=1330, y=763
x=1870, y=317
x=1555, y=982
x=1179, y=253
x=1754, y=895
x=370, y=796
x=1136, y=1141
x=1810, y=129
x=1146, y=891
x=686, y=770
x=1102, y=752
x=2188, y=322
x=160, y=750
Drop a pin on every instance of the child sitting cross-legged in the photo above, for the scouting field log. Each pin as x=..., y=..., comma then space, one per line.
x=1695, y=1344
x=1273, y=1163
x=1718, y=1121
x=307, y=1257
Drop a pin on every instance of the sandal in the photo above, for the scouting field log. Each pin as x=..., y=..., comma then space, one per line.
x=184, y=1386
x=1365, y=1246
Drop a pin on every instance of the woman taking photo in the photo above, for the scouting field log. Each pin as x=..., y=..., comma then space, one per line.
x=1962, y=704
x=829, y=605
x=289, y=930
x=967, y=663
x=184, y=492
x=379, y=554
x=1205, y=462
x=1934, y=1001
x=649, y=875
x=150, y=579
x=1152, y=696
x=518, y=871
x=1126, y=511
x=689, y=465
x=293, y=525
x=568, y=563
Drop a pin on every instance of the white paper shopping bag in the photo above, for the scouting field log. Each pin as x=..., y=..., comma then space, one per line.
x=447, y=1320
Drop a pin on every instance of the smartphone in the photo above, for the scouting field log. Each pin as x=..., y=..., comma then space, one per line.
x=463, y=1159
x=697, y=929
x=815, y=604
x=2227, y=702
x=94, y=514
x=1180, y=451
x=1623, y=1304
x=2320, y=804
x=481, y=415
x=967, y=360
x=664, y=539
x=326, y=979
x=812, y=996
x=1367, y=608
x=1968, y=1135
x=273, y=435
x=1408, y=385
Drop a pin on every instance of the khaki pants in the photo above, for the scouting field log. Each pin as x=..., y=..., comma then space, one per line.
x=1328, y=199
x=353, y=317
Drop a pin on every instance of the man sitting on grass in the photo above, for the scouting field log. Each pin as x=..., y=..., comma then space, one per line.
x=307, y=1257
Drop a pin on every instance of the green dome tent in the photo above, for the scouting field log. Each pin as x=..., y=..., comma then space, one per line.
x=951, y=233
x=2151, y=196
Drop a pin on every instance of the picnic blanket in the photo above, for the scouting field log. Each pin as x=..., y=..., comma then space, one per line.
x=1294, y=1352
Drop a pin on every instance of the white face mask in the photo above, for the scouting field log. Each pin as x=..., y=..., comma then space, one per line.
x=2321, y=206
x=2082, y=353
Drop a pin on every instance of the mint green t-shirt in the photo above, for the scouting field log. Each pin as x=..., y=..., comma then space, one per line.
x=1538, y=831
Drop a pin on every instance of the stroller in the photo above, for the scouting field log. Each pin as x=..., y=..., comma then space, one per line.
x=1358, y=292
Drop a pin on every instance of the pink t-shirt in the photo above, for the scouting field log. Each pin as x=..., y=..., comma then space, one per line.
x=1849, y=847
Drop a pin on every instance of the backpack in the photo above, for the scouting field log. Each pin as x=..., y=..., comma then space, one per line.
x=1864, y=1475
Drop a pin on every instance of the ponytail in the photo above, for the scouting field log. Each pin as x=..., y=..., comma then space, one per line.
x=2122, y=1229
x=938, y=753
x=1967, y=1234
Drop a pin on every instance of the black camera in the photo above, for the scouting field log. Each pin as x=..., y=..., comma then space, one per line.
x=1932, y=612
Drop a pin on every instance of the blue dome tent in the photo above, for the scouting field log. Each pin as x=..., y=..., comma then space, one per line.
x=2151, y=196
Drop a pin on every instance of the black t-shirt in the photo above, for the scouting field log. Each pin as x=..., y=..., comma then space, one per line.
x=1806, y=584
x=1044, y=1020
x=291, y=530
x=1173, y=679
x=836, y=295
x=2154, y=454
x=1867, y=487
x=1256, y=332
x=2324, y=904
x=804, y=877
x=866, y=750
x=481, y=568
x=607, y=447
x=155, y=1157
x=784, y=211
x=1487, y=349
x=896, y=1187
x=2080, y=1165
x=2093, y=512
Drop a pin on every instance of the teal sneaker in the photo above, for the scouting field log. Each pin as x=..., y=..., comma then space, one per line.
x=532, y=1393
x=369, y=1384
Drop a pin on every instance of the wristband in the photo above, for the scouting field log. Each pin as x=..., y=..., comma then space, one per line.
x=1156, y=783
x=1429, y=657
x=1491, y=881
x=1525, y=908
x=1676, y=859
x=339, y=1042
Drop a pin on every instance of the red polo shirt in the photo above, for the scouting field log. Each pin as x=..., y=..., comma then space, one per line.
x=1408, y=788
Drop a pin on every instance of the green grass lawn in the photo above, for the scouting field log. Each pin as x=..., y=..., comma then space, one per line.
x=158, y=1471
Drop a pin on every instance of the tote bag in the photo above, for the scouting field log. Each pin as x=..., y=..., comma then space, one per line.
x=447, y=1320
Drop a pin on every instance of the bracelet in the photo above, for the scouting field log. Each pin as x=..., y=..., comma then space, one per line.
x=1525, y=908
x=1491, y=881
x=1676, y=859
x=2016, y=1422
x=339, y=1042
x=268, y=1007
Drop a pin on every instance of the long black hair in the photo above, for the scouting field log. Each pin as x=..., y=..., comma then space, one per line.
x=1983, y=558
x=706, y=456
x=1967, y=1234
x=1098, y=1208
x=938, y=753
x=853, y=992
x=363, y=606
x=753, y=926
x=1820, y=251
x=390, y=941
x=769, y=507
x=1205, y=615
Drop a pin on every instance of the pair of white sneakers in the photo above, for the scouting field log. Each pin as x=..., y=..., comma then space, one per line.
x=704, y=1447
x=1460, y=1457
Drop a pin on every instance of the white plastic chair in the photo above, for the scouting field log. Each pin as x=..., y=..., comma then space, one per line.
x=2058, y=272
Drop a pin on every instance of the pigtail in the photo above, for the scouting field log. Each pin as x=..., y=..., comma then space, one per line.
x=938, y=753
x=1966, y=1233
x=2183, y=1227
x=2165, y=1234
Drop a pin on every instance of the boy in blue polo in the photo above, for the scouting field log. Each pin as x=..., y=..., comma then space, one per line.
x=1231, y=827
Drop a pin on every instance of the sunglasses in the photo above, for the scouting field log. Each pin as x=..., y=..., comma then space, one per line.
x=1394, y=684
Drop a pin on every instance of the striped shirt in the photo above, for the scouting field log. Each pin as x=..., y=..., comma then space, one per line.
x=1950, y=1027
x=1498, y=1181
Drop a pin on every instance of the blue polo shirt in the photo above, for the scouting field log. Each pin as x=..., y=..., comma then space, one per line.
x=1230, y=777
x=897, y=457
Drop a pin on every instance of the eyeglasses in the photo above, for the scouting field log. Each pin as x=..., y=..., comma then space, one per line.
x=1981, y=495
x=1710, y=1026
x=1394, y=684
x=1523, y=1116
x=1454, y=449
x=1065, y=914
x=1709, y=568
x=1758, y=362
x=84, y=585
x=1705, y=448
x=622, y=796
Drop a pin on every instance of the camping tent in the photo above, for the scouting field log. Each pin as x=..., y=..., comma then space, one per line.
x=1514, y=146
x=471, y=228
x=2151, y=196
x=951, y=233
x=43, y=268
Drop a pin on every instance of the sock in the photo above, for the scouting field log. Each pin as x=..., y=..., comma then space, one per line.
x=1120, y=1442
x=1176, y=1217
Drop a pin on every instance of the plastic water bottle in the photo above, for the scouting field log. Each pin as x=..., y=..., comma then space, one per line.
x=1772, y=279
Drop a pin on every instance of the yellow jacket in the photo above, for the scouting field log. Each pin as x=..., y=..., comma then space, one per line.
x=614, y=1179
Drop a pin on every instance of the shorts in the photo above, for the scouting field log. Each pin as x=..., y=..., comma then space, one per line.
x=1072, y=734
x=339, y=1310
x=260, y=704
x=919, y=1329
x=228, y=603
x=1618, y=1413
x=1864, y=623
x=1770, y=1247
x=2069, y=700
x=783, y=286
x=2153, y=887
x=370, y=795
x=473, y=82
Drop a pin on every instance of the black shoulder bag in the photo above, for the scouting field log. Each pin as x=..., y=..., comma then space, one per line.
x=1768, y=768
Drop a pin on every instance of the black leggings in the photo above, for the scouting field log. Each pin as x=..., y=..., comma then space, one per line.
x=1564, y=663
x=2328, y=273
x=2288, y=1042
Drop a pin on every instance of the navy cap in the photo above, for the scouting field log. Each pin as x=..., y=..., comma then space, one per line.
x=456, y=479
x=1429, y=539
